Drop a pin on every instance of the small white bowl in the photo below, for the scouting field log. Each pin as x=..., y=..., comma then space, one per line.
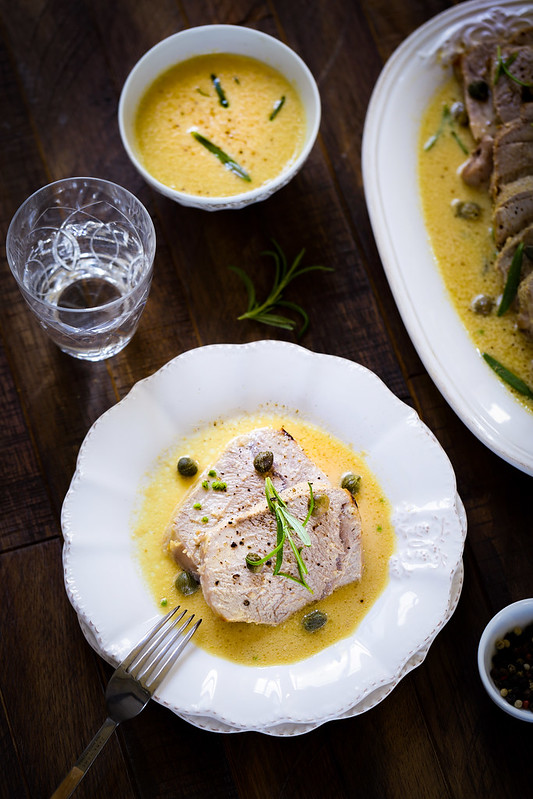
x=519, y=614
x=219, y=39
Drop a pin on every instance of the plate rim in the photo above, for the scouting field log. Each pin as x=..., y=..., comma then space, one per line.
x=216, y=719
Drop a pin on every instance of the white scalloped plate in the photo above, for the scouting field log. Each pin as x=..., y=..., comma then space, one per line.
x=114, y=605
x=402, y=93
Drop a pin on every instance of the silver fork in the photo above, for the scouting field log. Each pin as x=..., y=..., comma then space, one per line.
x=131, y=686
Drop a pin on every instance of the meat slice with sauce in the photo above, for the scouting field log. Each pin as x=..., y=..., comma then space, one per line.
x=514, y=209
x=191, y=525
x=525, y=306
x=510, y=96
x=474, y=70
x=512, y=154
x=506, y=254
x=497, y=78
x=238, y=594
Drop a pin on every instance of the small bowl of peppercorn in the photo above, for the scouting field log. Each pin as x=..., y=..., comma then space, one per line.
x=505, y=659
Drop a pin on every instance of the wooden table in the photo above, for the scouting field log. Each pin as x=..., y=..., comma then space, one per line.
x=438, y=735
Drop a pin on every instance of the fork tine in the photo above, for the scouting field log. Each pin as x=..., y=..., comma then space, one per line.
x=159, y=669
x=152, y=638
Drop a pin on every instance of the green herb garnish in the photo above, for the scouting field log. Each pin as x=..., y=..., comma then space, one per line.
x=200, y=91
x=285, y=522
x=264, y=312
x=513, y=279
x=508, y=377
x=460, y=142
x=224, y=159
x=222, y=99
x=277, y=108
x=502, y=67
x=446, y=119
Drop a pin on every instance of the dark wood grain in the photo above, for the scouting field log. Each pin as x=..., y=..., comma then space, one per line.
x=62, y=67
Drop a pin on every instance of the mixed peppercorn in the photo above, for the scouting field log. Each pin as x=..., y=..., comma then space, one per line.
x=512, y=667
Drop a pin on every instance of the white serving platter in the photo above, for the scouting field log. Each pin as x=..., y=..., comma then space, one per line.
x=402, y=93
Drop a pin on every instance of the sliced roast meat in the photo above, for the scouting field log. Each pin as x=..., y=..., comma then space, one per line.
x=497, y=77
x=475, y=69
x=510, y=96
x=242, y=488
x=238, y=594
x=525, y=306
x=506, y=254
x=513, y=153
x=513, y=210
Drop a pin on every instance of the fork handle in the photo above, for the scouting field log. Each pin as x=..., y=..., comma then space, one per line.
x=85, y=760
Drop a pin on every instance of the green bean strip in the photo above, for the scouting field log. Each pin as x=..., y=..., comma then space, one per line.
x=460, y=142
x=277, y=108
x=508, y=377
x=223, y=157
x=445, y=117
x=513, y=279
x=223, y=100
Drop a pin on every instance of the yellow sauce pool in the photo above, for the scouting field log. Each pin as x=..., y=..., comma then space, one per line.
x=464, y=249
x=253, y=644
x=185, y=99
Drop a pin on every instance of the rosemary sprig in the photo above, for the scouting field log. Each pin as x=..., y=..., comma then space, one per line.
x=223, y=157
x=277, y=108
x=222, y=99
x=446, y=119
x=267, y=312
x=460, y=142
x=502, y=67
x=285, y=522
x=507, y=376
x=513, y=279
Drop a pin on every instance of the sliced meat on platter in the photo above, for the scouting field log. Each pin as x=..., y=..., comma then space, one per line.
x=497, y=78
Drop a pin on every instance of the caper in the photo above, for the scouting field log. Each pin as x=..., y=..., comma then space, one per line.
x=466, y=210
x=351, y=482
x=482, y=304
x=458, y=112
x=314, y=621
x=252, y=562
x=263, y=461
x=186, y=584
x=478, y=90
x=187, y=467
x=321, y=504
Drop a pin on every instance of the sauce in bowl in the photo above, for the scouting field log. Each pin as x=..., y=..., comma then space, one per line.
x=219, y=125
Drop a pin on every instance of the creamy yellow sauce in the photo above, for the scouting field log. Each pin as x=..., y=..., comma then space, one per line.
x=185, y=99
x=464, y=249
x=254, y=644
